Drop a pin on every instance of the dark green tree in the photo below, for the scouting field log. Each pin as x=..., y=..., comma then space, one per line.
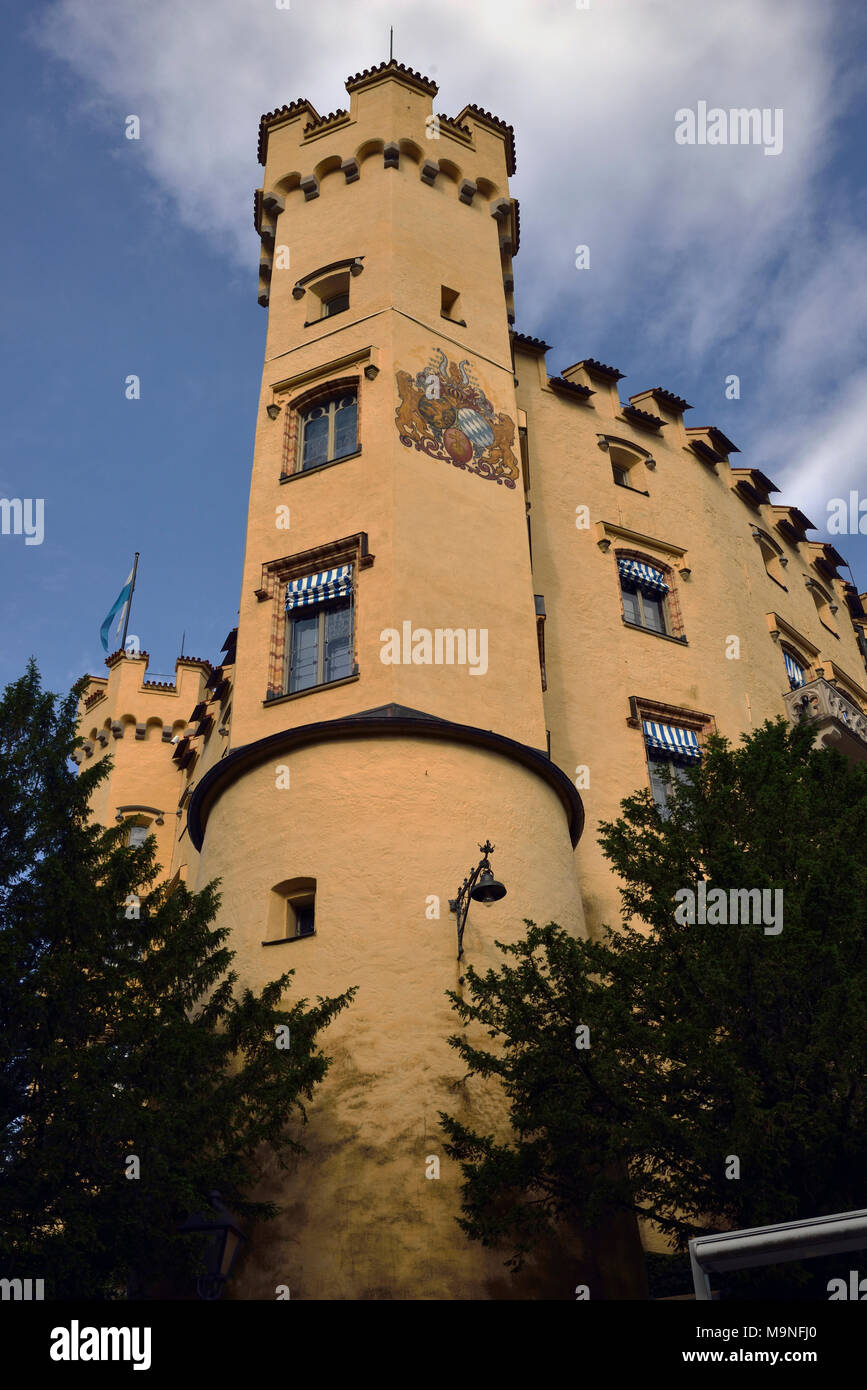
x=705, y=1040
x=122, y=1033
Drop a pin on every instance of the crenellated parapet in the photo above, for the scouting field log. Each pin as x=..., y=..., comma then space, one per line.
x=140, y=720
x=127, y=704
x=471, y=156
x=647, y=432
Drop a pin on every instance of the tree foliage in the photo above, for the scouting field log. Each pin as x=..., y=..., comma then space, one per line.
x=122, y=1035
x=706, y=1041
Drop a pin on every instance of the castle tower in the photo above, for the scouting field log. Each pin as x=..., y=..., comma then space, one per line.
x=385, y=703
x=138, y=723
x=387, y=708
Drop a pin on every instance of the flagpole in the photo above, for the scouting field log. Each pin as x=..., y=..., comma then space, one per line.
x=129, y=602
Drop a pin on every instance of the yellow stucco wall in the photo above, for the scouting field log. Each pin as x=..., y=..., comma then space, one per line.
x=384, y=823
x=381, y=825
x=594, y=662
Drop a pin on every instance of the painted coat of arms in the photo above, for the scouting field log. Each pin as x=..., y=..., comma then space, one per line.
x=444, y=412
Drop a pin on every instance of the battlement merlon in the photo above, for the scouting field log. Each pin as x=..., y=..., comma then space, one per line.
x=127, y=692
x=388, y=105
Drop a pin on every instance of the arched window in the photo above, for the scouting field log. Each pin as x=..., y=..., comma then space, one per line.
x=328, y=430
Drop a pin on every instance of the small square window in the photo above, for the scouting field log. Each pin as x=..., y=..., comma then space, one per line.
x=291, y=911
x=449, y=302
x=329, y=296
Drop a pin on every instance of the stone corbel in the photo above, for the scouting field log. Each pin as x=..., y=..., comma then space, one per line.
x=603, y=539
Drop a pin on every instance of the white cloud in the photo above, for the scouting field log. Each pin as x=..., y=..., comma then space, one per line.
x=825, y=455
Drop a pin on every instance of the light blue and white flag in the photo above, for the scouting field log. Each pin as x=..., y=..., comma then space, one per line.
x=119, y=606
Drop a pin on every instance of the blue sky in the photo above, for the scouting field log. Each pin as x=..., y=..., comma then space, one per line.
x=139, y=257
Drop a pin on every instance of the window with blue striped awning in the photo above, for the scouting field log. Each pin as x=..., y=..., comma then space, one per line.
x=319, y=588
x=672, y=739
x=797, y=674
x=636, y=572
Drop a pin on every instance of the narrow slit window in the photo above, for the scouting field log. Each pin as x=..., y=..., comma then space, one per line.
x=302, y=918
x=449, y=302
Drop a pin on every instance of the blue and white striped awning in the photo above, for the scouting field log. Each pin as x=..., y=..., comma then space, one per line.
x=318, y=588
x=643, y=575
x=796, y=672
x=671, y=738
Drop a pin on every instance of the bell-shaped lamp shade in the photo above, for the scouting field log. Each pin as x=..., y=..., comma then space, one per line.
x=226, y=1239
x=488, y=889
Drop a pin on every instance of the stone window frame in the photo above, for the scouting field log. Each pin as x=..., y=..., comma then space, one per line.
x=316, y=395
x=641, y=708
x=671, y=601
x=785, y=636
x=276, y=574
